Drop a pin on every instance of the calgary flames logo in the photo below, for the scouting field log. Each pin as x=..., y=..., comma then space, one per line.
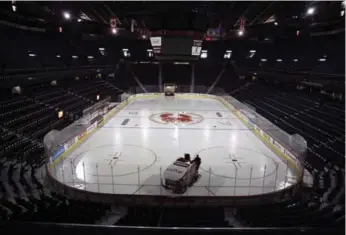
x=169, y=117
x=176, y=118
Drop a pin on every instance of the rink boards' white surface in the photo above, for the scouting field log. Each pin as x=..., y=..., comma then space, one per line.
x=137, y=153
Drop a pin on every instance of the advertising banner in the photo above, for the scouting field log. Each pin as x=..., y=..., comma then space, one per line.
x=251, y=124
x=279, y=146
x=271, y=140
x=99, y=121
x=257, y=128
x=290, y=155
x=156, y=41
x=196, y=48
x=69, y=143
x=261, y=132
x=58, y=153
x=244, y=116
x=91, y=128
x=80, y=136
x=238, y=112
x=266, y=136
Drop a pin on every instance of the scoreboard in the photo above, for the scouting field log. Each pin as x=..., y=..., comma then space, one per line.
x=176, y=46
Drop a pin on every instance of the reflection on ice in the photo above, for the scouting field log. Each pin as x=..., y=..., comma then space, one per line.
x=130, y=159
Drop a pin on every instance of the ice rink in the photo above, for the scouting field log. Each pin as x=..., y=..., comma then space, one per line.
x=130, y=152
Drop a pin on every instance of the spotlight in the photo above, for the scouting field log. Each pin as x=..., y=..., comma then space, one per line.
x=240, y=33
x=79, y=20
x=67, y=15
x=310, y=11
x=276, y=23
x=114, y=30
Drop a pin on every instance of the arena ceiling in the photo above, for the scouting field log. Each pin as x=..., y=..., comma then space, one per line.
x=203, y=15
x=154, y=15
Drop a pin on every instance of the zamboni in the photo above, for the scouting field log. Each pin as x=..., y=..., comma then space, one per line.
x=182, y=174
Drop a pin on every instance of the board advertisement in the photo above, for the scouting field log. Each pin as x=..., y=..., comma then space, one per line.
x=91, y=128
x=58, y=153
x=279, y=146
x=80, y=136
x=69, y=143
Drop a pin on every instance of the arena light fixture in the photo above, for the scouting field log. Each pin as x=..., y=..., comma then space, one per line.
x=263, y=60
x=114, y=31
x=310, y=11
x=14, y=8
x=60, y=114
x=57, y=56
x=79, y=20
x=295, y=60
x=276, y=23
x=67, y=15
x=279, y=60
x=240, y=33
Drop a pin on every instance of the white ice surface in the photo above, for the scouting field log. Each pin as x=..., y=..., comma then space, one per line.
x=234, y=160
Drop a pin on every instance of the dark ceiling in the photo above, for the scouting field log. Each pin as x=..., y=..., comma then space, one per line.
x=203, y=15
x=183, y=15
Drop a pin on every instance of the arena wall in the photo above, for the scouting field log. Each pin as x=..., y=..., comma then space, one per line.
x=274, y=144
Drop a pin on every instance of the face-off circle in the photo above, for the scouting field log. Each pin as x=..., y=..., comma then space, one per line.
x=176, y=118
x=226, y=122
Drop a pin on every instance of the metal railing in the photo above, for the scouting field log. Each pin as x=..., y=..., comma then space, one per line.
x=56, y=228
x=271, y=181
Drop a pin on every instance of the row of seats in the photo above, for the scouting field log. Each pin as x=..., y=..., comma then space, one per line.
x=174, y=217
x=292, y=214
x=310, y=116
x=204, y=74
x=27, y=118
x=297, y=114
x=290, y=110
x=51, y=207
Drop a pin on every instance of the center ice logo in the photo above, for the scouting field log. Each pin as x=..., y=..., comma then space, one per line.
x=176, y=118
x=169, y=117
